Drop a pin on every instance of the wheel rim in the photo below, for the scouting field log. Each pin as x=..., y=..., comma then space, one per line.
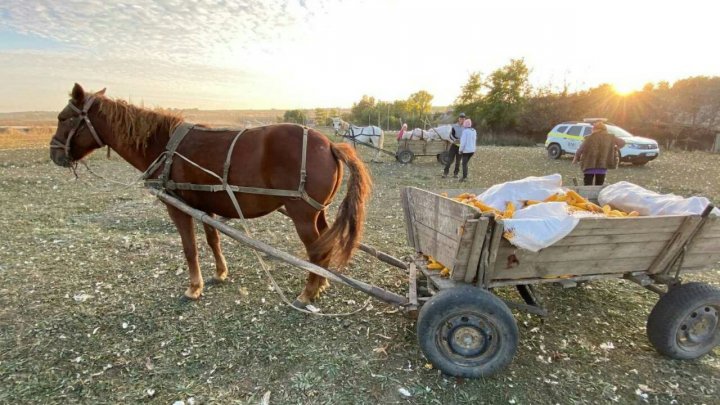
x=468, y=339
x=554, y=151
x=699, y=328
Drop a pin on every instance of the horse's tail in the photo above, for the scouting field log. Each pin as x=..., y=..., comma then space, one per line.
x=336, y=245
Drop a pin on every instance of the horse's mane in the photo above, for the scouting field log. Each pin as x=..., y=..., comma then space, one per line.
x=133, y=125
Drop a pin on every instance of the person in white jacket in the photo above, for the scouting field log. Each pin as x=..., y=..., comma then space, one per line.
x=467, y=146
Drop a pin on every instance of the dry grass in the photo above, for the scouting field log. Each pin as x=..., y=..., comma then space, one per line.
x=32, y=138
x=90, y=280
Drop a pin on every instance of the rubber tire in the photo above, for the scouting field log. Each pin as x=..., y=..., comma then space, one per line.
x=443, y=157
x=405, y=156
x=667, y=317
x=463, y=302
x=554, y=151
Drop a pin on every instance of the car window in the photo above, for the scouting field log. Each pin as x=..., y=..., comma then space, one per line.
x=562, y=129
x=574, y=130
x=587, y=131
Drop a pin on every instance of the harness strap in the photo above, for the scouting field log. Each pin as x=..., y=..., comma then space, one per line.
x=176, y=138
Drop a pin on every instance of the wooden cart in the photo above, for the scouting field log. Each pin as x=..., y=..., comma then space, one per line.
x=465, y=330
x=408, y=149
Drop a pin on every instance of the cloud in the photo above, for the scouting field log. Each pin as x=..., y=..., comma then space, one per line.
x=172, y=30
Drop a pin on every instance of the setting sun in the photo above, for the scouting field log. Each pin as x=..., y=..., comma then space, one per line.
x=624, y=89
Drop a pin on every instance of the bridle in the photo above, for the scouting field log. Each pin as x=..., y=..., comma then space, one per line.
x=82, y=117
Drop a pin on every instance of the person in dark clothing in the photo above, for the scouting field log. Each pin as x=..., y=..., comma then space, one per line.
x=597, y=153
x=453, y=152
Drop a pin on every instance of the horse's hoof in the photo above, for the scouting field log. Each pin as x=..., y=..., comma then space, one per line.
x=184, y=299
x=299, y=304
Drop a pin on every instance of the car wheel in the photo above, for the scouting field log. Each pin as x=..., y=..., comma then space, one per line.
x=554, y=151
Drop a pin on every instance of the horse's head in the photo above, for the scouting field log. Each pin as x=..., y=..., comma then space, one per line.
x=339, y=125
x=76, y=136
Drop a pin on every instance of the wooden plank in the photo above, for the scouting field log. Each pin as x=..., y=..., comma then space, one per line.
x=446, y=206
x=404, y=199
x=504, y=283
x=532, y=270
x=705, y=245
x=476, y=249
x=497, y=231
x=711, y=229
x=441, y=247
x=579, y=240
x=412, y=290
x=628, y=225
x=483, y=266
x=702, y=260
x=439, y=282
x=670, y=252
x=581, y=253
x=464, y=250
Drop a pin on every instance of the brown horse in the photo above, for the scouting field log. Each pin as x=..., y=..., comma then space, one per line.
x=267, y=157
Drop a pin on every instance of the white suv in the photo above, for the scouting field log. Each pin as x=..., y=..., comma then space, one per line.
x=567, y=137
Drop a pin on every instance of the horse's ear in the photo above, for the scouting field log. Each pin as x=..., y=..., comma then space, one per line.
x=78, y=94
x=101, y=92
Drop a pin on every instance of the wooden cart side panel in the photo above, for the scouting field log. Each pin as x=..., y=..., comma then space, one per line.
x=704, y=251
x=443, y=228
x=421, y=147
x=623, y=244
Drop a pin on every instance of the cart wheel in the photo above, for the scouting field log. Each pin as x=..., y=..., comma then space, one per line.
x=467, y=332
x=443, y=157
x=554, y=151
x=405, y=156
x=684, y=323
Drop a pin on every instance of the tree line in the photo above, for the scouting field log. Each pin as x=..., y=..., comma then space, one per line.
x=683, y=114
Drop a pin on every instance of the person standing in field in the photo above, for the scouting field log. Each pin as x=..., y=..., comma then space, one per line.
x=401, y=132
x=453, y=154
x=597, y=153
x=468, y=141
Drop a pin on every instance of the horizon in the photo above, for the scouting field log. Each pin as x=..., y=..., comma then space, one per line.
x=248, y=56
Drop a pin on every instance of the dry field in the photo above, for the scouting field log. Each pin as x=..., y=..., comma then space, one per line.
x=91, y=275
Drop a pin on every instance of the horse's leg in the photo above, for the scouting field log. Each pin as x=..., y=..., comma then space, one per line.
x=304, y=218
x=322, y=226
x=186, y=229
x=213, y=239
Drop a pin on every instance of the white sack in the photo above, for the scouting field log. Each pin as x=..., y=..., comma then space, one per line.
x=628, y=197
x=539, y=226
x=529, y=188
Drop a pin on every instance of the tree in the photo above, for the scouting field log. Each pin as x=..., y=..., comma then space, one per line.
x=363, y=110
x=470, y=98
x=419, y=105
x=508, y=88
x=295, y=116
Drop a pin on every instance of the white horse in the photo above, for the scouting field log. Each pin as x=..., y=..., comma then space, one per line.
x=372, y=135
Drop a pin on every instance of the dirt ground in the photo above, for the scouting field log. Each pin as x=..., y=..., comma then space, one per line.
x=91, y=276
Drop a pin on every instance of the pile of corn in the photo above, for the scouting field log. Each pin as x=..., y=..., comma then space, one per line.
x=435, y=265
x=575, y=202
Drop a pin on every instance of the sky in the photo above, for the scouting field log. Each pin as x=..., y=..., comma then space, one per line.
x=227, y=54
